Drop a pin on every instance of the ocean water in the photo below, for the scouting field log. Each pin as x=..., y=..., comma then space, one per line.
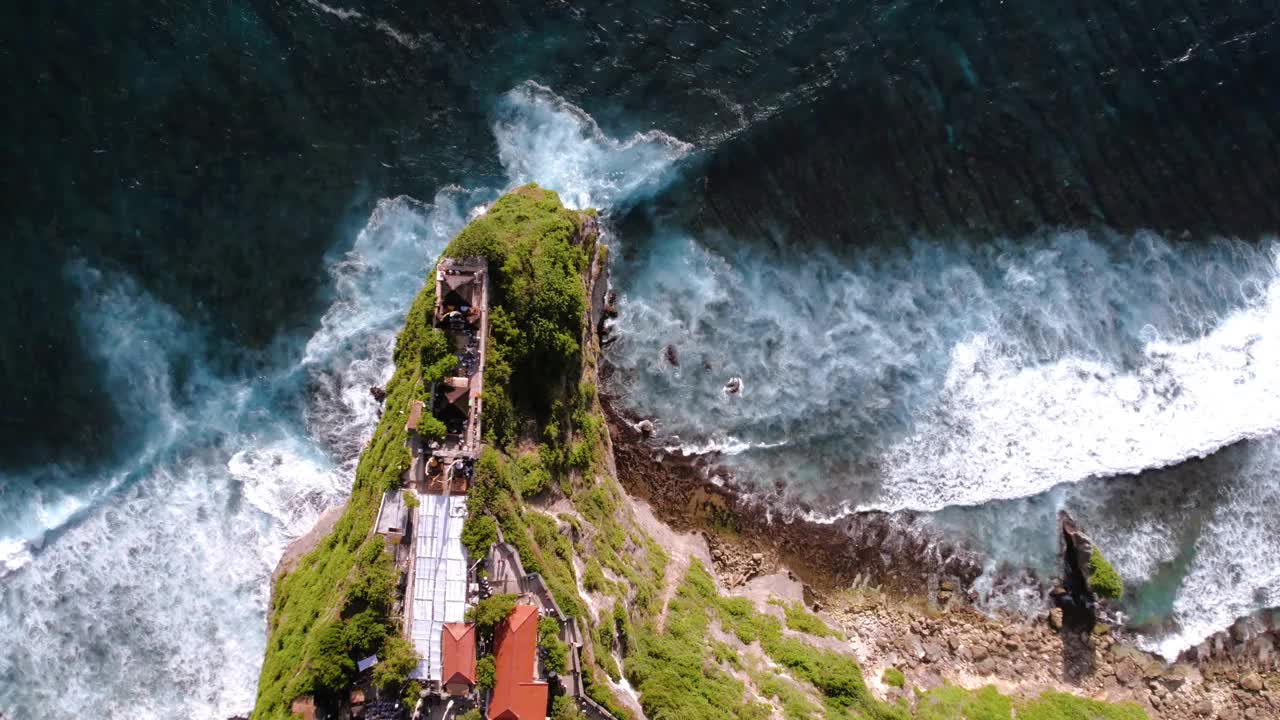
x=977, y=260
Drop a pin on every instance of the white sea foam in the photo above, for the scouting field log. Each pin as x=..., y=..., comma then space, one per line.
x=1003, y=428
x=546, y=139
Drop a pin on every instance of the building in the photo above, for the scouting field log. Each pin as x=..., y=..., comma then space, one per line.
x=438, y=586
x=393, y=517
x=462, y=312
x=517, y=693
x=458, y=658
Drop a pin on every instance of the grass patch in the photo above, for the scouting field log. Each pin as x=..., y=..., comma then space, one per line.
x=801, y=620
x=894, y=677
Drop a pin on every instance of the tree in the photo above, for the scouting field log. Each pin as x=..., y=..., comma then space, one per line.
x=331, y=666
x=365, y=632
x=397, y=661
x=431, y=428
x=485, y=673
x=492, y=610
x=479, y=532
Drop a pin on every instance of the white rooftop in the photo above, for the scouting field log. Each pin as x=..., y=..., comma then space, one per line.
x=440, y=577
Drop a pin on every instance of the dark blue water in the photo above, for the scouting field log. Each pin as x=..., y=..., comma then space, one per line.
x=208, y=248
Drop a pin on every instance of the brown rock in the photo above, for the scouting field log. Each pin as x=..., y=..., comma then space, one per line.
x=1101, y=629
x=1203, y=708
x=1127, y=675
x=979, y=653
x=933, y=653
x=1251, y=682
x=1055, y=619
x=986, y=667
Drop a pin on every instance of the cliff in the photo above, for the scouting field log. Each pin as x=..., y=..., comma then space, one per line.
x=656, y=632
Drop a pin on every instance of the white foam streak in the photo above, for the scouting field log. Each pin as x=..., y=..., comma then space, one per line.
x=1235, y=570
x=544, y=138
x=1003, y=429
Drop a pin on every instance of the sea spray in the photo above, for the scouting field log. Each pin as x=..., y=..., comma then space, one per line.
x=543, y=138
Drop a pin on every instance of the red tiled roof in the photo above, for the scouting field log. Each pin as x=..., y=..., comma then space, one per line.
x=458, y=646
x=516, y=693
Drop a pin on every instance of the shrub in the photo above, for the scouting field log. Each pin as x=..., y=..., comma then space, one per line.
x=593, y=580
x=365, y=633
x=331, y=667
x=1053, y=705
x=485, y=673
x=563, y=708
x=801, y=620
x=472, y=714
x=411, y=694
x=489, y=612
x=1103, y=578
x=431, y=428
x=411, y=500
x=479, y=532
x=397, y=660
x=534, y=475
x=894, y=677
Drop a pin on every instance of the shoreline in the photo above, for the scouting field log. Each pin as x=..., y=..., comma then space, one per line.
x=908, y=598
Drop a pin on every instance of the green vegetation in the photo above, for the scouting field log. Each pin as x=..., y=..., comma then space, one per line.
x=894, y=677
x=1103, y=578
x=394, y=665
x=555, y=653
x=954, y=703
x=794, y=703
x=801, y=620
x=485, y=672
x=1062, y=706
x=472, y=714
x=537, y=306
x=479, y=532
x=491, y=611
x=563, y=708
x=411, y=500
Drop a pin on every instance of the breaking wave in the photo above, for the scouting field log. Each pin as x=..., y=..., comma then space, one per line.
x=546, y=139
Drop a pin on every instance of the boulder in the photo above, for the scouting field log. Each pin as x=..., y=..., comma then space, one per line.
x=933, y=652
x=645, y=428
x=987, y=667
x=1055, y=619
x=1204, y=708
x=378, y=393
x=1252, y=682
